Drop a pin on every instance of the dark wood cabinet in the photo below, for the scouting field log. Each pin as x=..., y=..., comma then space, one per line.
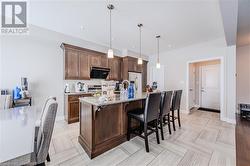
x=84, y=68
x=78, y=62
x=133, y=65
x=98, y=60
x=115, y=68
x=76, y=65
x=72, y=110
x=71, y=64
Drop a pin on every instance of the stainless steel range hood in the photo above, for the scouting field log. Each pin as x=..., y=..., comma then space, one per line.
x=99, y=73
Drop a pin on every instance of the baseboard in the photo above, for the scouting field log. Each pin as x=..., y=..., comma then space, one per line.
x=209, y=109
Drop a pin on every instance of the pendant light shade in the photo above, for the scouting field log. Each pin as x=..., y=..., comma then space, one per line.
x=110, y=53
x=140, y=57
x=139, y=61
x=158, y=65
x=110, y=50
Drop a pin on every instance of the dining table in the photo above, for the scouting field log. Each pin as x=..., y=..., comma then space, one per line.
x=17, y=133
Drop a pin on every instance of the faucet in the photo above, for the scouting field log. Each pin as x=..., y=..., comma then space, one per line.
x=125, y=84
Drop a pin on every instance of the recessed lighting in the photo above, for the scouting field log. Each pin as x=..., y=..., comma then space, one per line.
x=82, y=27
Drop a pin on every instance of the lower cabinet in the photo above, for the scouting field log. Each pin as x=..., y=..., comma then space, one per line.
x=72, y=109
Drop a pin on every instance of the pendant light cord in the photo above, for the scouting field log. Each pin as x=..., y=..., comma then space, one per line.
x=140, y=41
x=158, y=43
x=110, y=36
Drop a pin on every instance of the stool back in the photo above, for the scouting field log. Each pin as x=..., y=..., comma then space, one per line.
x=176, y=101
x=152, y=106
x=165, y=102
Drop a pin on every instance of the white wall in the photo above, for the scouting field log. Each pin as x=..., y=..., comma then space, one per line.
x=38, y=57
x=243, y=74
x=175, y=63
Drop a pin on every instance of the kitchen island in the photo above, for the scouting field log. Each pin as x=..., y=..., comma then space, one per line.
x=103, y=125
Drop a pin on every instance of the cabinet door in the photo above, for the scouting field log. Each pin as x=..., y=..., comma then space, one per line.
x=104, y=61
x=73, y=111
x=84, y=72
x=131, y=65
x=95, y=60
x=115, y=68
x=71, y=64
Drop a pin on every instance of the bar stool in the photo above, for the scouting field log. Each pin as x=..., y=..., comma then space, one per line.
x=165, y=111
x=176, y=102
x=150, y=114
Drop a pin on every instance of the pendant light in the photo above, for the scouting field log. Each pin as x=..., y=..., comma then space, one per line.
x=110, y=50
x=140, y=57
x=158, y=65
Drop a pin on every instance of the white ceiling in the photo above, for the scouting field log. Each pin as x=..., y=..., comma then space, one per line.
x=179, y=22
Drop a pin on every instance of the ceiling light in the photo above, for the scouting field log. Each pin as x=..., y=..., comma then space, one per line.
x=140, y=57
x=110, y=50
x=158, y=65
x=81, y=27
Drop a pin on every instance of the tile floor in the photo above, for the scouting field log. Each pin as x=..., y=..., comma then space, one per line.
x=202, y=140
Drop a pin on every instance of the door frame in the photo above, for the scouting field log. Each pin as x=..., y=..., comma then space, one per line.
x=222, y=87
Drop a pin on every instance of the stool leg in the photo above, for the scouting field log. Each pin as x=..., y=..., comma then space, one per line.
x=179, y=117
x=128, y=129
x=48, y=158
x=146, y=137
x=157, y=132
x=173, y=120
x=169, y=127
x=161, y=128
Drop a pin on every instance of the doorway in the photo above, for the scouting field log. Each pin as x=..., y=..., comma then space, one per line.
x=204, y=85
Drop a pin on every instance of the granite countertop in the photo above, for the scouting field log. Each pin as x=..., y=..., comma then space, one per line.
x=119, y=99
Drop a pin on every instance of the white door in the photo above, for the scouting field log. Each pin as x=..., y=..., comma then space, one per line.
x=191, y=94
x=210, y=86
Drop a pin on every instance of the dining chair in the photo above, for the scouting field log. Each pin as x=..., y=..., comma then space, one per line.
x=49, y=99
x=176, y=102
x=5, y=101
x=165, y=111
x=150, y=114
x=42, y=138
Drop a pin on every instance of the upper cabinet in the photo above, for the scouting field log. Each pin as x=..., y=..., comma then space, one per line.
x=133, y=65
x=76, y=63
x=115, y=68
x=84, y=68
x=71, y=64
x=98, y=60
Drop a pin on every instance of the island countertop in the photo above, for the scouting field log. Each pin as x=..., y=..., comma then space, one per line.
x=119, y=99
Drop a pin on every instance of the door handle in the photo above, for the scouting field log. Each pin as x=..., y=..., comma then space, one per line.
x=202, y=90
x=191, y=90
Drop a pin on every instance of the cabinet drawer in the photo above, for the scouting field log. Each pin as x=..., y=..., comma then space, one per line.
x=74, y=97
